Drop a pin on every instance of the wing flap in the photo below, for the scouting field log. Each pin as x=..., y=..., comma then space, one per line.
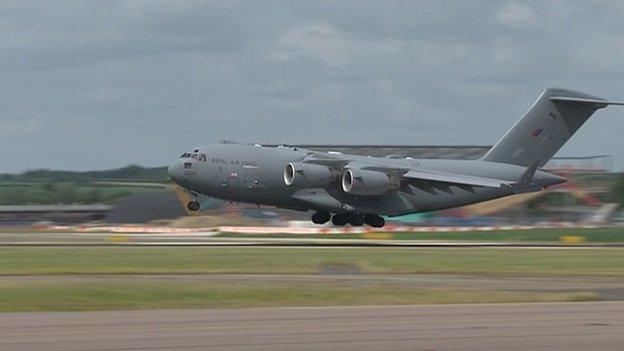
x=456, y=178
x=324, y=159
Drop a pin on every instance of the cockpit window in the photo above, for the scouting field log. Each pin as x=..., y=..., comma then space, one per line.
x=185, y=155
x=201, y=157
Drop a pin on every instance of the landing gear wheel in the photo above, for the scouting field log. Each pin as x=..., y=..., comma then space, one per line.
x=193, y=205
x=357, y=220
x=379, y=223
x=374, y=221
x=320, y=217
x=340, y=219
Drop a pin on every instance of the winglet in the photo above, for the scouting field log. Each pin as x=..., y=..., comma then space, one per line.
x=528, y=175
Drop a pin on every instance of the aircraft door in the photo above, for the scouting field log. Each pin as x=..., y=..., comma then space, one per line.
x=228, y=179
x=232, y=181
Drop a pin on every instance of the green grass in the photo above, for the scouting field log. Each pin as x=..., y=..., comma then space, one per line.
x=154, y=260
x=542, y=235
x=57, y=296
x=48, y=292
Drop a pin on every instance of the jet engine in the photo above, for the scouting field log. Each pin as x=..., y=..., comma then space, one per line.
x=362, y=182
x=306, y=175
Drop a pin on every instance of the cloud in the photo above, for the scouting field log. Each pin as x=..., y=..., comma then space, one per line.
x=600, y=51
x=136, y=82
x=317, y=41
x=321, y=41
x=517, y=15
x=22, y=127
x=108, y=31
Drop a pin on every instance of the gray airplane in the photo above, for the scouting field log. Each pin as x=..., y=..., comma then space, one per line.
x=357, y=190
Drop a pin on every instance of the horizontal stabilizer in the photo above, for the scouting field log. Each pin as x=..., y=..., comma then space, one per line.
x=584, y=101
x=456, y=178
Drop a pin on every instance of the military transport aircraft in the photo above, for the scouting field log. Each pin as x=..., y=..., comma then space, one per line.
x=349, y=189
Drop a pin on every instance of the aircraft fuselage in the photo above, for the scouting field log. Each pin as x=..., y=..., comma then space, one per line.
x=255, y=174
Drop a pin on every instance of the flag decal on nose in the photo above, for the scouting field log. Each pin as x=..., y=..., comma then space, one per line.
x=536, y=132
x=188, y=165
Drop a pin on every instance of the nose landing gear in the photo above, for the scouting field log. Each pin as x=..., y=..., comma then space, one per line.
x=193, y=205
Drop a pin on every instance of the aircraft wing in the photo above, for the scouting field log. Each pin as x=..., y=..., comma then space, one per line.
x=337, y=162
x=444, y=177
x=455, y=178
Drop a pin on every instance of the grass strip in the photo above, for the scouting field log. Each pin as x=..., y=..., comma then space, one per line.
x=79, y=296
x=188, y=260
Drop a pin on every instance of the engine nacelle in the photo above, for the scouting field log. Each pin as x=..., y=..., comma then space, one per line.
x=361, y=182
x=306, y=175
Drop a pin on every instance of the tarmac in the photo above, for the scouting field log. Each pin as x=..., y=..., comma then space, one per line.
x=534, y=326
x=208, y=238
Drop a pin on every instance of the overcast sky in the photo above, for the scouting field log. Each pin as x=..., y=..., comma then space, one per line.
x=102, y=84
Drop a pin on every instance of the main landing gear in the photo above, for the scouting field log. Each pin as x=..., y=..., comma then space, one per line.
x=320, y=217
x=374, y=221
x=193, y=205
x=355, y=219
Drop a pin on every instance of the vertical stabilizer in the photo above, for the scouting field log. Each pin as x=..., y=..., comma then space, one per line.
x=546, y=126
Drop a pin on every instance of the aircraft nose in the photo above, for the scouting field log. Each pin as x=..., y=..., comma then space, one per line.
x=174, y=171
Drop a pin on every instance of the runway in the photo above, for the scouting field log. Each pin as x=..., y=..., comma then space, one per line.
x=61, y=239
x=536, y=326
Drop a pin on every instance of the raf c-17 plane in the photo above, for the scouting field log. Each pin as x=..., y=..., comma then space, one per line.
x=357, y=190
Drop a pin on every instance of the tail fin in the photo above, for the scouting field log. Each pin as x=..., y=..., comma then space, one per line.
x=550, y=122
